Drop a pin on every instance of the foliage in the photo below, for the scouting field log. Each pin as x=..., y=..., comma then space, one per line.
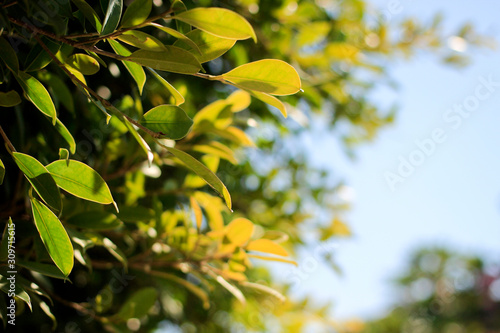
x=443, y=291
x=113, y=128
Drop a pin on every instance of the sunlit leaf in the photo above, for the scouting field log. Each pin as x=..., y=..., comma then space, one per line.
x=202, y=171
x=173, y=59
x=53, y=236
x=239, y=231
x=112, y=18
x=18, y=290
x=206, y=46
x=40, y=178
x=269, y=76
x=2, y=172
x=9, y=99
x=177, y=97
x=169, y=120
x=141, y=40
x=267, y=246
x=80, y=180
x=85, y=64
x=136, y=13
x=37, y=94
x=269, y=258
x=134, y=69
x=66, y=135
x=218, y=21
x=271, y=100
x=198, y=215
x=194, y=48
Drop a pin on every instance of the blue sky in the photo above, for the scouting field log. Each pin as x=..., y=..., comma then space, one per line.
x=452, y=198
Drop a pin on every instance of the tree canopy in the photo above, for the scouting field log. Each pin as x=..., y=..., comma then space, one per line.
x=150, y=169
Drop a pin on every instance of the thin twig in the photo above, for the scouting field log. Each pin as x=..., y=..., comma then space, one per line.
x=7, y=141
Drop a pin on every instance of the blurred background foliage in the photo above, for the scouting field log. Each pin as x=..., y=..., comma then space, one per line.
x=341, y=50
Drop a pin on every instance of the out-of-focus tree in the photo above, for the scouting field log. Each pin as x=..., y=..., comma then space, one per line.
x=443, y=291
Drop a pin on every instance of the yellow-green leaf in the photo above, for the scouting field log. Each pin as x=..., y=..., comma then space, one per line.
x=53, y=236
x=179, y=36
x=134, y=69
x=37, y=94
x=273, y=259
x=206, y=46
x=40, y=179
x=136, y=13
x=141, y=40
x=218, y=21
x=80, y=180
x=198, y=215
x=202, y=171
x=173, y=59
x=45, y=269
x=176, y=95
x=269, y=76
x=271, y=100
x=9, y=99
x=169, y=120
x=66, y=135
x=84, y=63
x=2, y=172
x=239, y=231
x=267, y=246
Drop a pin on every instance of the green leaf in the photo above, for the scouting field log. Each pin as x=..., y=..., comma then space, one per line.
x=66, y=135
x=169, y=120
x=38, y=58
x=9, y=99
x=37, y=94
x=176, y=96
x=139, y=304
x=179, y=36
x=140, y=140
x=178, y=7
x=40, y=178
x=8, y=55
x=59, y=89
x=18, y=290
x=141, y=40
x=202, y=171
x=64, y=154
x=96, y=220
x=173, y=59
x=134, y=69
x=83, y=63
x=220, y=22
x=4, y=246
x=45, y=269
x=89, y=13
x=271, y=100
x=112, y=18
x=53, y=236
x=80, y=180
x=136, y=13
x=210, y=46
x=2, y=172
x=200, y=293
x=269, y=76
